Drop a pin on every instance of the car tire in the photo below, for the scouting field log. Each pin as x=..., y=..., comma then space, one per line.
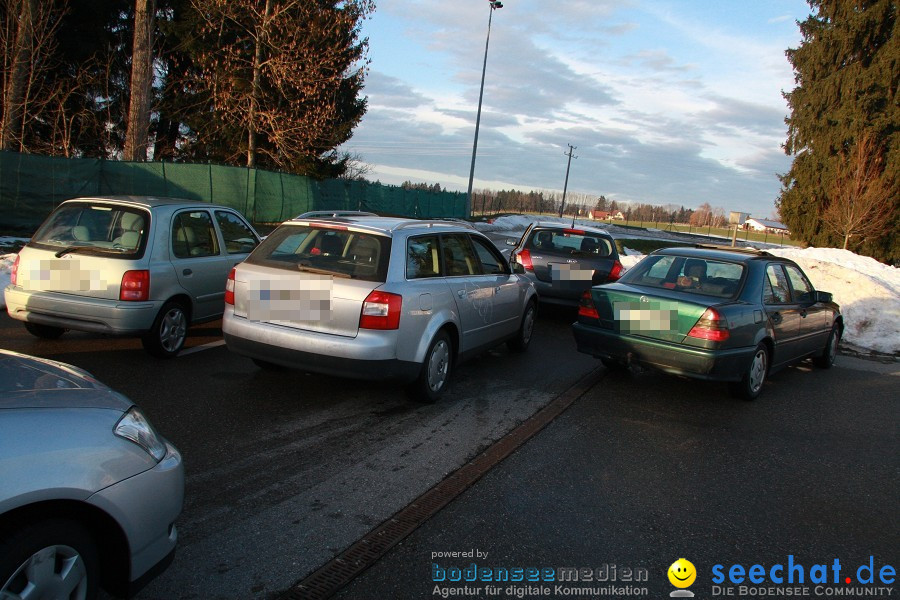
x=166, y=337
x=435, y=374
x=266, y=365
x=64, y=545
x=750, y=385
x=45, y=332
x=526, y=329
x=826, y=361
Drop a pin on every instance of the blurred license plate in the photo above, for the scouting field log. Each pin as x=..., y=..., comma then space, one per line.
x=565, y=272
x=645, y=319
x=290, y=299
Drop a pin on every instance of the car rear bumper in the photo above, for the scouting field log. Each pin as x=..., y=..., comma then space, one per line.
x=146, y=506
x=68, y=311
x=370, y=355
x=678, y=359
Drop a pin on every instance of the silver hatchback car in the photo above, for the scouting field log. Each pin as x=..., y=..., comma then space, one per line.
x=128, y=265
x=376, y=298
x=89, y=491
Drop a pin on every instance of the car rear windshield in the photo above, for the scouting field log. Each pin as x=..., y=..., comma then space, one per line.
x=574, y=242
x=321, y=249
x=95, y=228
x=704, y=276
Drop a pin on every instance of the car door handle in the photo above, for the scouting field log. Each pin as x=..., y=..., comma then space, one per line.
x=776, y=318
x=803, y=313
x=498, y=288
x=461, y=293
x=187, y=272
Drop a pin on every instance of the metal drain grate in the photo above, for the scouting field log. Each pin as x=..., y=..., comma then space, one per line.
x=341, y=570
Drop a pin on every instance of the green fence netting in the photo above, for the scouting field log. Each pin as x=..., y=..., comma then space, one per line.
x=32, y=186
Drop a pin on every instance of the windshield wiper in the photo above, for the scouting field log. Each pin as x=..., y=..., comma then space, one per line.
x=310, y=269
x=68, y=250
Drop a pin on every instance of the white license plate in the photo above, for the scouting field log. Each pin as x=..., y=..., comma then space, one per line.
x=290, y=299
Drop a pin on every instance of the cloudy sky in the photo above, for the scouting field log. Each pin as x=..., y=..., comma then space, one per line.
x=666, y=101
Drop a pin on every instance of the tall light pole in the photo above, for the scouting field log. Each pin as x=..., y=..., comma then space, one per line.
x=495, y=4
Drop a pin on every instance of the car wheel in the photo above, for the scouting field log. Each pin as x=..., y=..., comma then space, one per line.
x=436, y=369
x=826, y=361
x=523, y=336
x=50, y=559
x=750, y=385
x=45, y=332
x=166, y=338
x=266, y=365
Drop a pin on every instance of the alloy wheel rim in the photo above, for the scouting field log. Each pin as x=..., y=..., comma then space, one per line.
x=758, y=371
x=832, y=347
x=172, y=330
x=528, y=326
x=52, y=572
x=438, y=365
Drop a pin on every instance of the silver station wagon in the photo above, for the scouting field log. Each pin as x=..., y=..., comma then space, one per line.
x=376, y=298
x=128, y=265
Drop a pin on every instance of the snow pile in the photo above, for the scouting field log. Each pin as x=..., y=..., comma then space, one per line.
x=867, y=290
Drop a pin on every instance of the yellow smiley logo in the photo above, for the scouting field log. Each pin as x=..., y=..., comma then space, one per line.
x=682, y=573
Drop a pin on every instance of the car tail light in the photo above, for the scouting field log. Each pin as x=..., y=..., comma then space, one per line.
x=229, y=288
x=381, y=310
x=135, y=286
x=616, y=271
x=14, y=273
x=586, y=306
x=524, y=259
x=711, y=326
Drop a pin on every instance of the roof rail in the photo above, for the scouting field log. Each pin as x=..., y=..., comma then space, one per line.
x=742, y=249
x=433, y=223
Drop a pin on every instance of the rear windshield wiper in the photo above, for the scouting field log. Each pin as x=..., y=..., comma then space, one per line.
x=69, y=250
x=310, y=269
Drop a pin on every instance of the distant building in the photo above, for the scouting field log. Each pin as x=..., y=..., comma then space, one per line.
x=737, y=218
x=603, y=215
x=767, y=225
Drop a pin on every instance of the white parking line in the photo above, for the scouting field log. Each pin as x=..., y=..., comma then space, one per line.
x=202, y=348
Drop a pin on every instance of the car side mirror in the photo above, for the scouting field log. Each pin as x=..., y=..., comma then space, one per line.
x=824, y=297
x=511, y=241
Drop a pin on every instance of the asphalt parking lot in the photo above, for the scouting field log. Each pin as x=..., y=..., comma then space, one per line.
x=286, y=470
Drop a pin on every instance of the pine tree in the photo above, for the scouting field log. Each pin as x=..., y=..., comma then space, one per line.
x=846, y=74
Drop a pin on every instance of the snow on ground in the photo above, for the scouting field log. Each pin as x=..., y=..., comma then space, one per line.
x=867, y=290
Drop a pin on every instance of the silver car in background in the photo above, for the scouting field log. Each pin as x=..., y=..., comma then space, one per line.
x=89, y=491
x=376, y=298
x=128, y=265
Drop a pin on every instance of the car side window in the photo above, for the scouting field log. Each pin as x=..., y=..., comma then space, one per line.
x=776, y=290
x=193, y=235
x=802, y=289
x=422, y=257
x=239, y=238
x=492, y=262
x=459, y=257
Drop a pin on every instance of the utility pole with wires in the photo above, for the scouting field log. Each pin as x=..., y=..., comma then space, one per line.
x=562, y=206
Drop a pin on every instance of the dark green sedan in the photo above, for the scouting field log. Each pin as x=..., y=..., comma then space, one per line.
x=713, y=313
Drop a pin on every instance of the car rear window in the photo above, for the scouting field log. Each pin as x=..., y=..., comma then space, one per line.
x=95, y=228
x=336, y=251
x=574, y=242
x=693, y=275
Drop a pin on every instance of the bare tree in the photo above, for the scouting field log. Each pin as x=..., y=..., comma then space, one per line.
x=27, y=43
x=277, y=71
x=138, y=126
x=862, y=199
